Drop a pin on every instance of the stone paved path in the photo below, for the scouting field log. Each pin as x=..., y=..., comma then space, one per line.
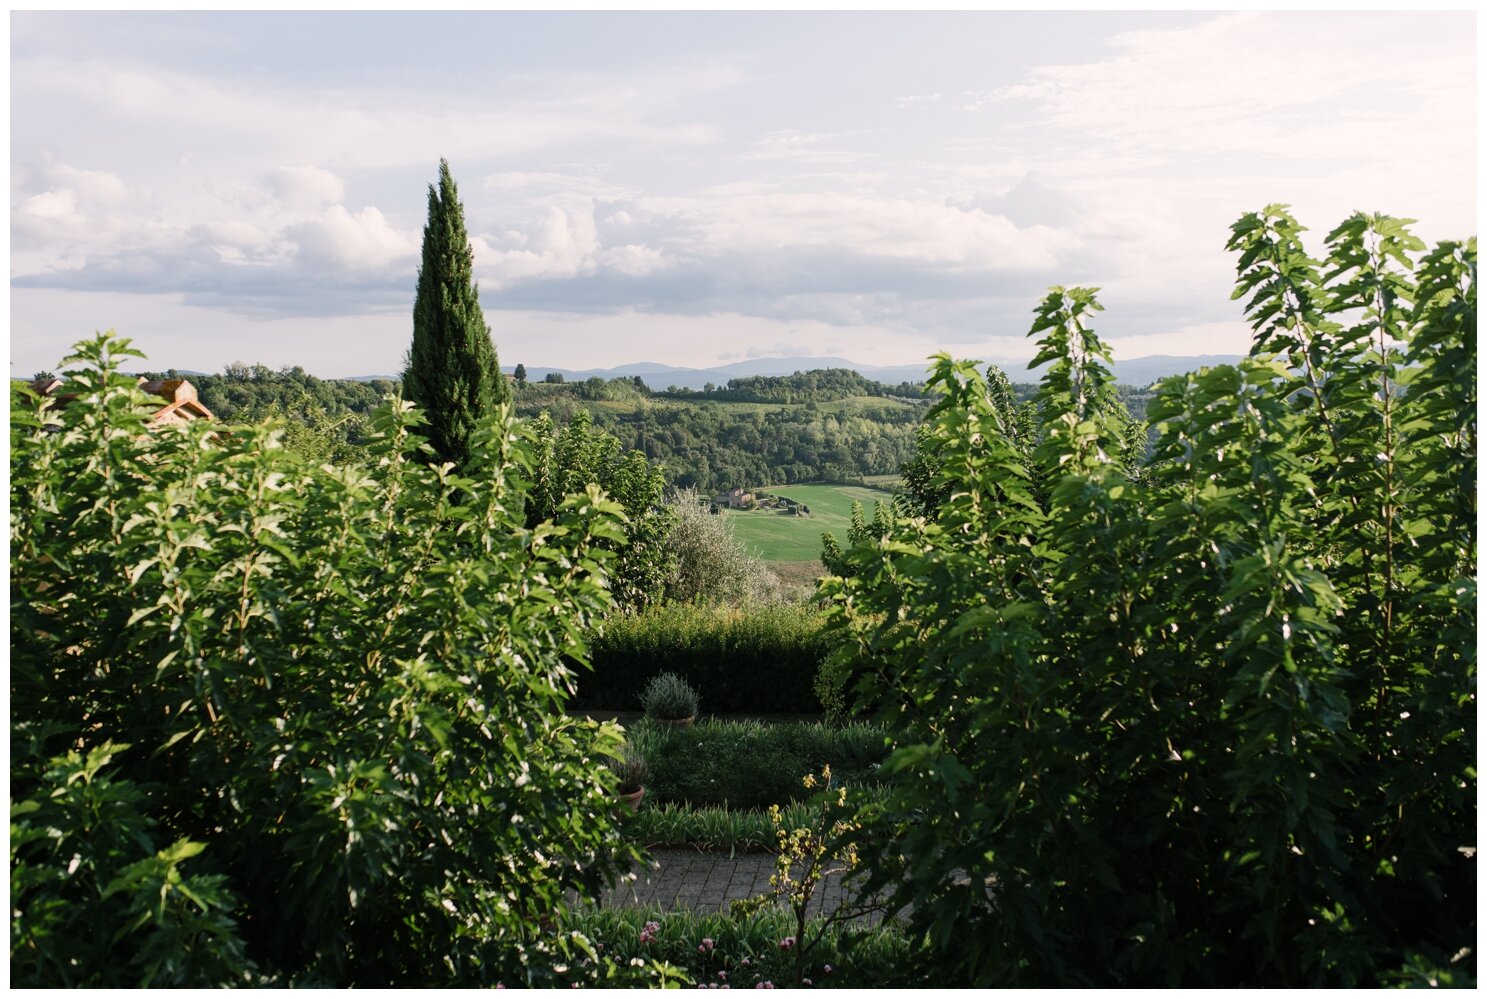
x=707, y=882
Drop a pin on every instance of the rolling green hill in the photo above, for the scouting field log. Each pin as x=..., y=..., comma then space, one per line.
x=780, y=537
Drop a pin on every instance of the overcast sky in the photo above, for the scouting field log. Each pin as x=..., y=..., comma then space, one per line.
x=698, y=188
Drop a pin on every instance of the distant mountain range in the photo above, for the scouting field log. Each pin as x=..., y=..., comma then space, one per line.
x=658, y=377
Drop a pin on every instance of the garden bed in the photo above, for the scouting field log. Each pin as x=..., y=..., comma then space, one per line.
x=746, y=764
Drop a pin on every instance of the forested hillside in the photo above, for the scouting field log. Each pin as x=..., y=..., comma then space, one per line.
x=829, y=425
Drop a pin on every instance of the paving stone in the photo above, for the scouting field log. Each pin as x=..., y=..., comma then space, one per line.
x=686, y=879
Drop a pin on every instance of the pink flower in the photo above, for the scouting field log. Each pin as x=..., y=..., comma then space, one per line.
x=744, y=962
x=787, y=943
x=827, y=969
x=805, y=981
x=723, y=975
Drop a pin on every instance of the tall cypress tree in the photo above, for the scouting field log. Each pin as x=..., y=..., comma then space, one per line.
x=452, y=372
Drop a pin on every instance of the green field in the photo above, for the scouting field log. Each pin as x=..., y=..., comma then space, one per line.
x=779, y=537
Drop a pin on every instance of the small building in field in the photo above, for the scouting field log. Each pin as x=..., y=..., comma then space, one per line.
x=734, y=498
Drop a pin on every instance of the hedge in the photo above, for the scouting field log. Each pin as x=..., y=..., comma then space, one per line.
x=759, y=659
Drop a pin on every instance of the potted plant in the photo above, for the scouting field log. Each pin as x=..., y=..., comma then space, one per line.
x=630, y=773
x=669, y=700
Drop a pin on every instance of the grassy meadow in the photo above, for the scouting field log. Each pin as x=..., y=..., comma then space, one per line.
x=779, y=537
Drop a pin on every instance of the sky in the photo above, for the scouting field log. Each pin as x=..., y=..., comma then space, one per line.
x=695, y=189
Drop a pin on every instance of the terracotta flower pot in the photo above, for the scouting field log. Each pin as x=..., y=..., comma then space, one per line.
x=676, y=722
x=632, y=799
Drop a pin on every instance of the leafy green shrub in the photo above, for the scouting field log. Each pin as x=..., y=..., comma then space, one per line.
x=760, y=659
x=336, y=694
x=95, y=905
x=1207, y=719
x=714, y=949
x=667, y=696
x=711, y=565
x=750, y=764
x=566, y=461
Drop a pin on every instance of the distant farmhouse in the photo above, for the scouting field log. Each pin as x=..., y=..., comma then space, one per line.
x=181, y=403
x=735, y=499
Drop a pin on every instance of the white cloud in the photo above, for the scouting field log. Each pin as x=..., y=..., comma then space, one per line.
x=61, y=212
x=237, y=241
x=807, y=147
x=306, y=188
x=61, y=203
x=893, y=228
x=1301, y=86
x=564, y=245
x=913, y=100
x=94, y=186
x=360, y=242
x=218, y=123
x=633, y=260
x=716, y=196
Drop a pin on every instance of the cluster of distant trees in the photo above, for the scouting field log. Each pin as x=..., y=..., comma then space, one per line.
x=701, y=444
x=821, y=385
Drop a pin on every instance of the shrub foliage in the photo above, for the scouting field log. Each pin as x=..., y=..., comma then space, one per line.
x=668, y=696
x=274, y=722
x=750, y=764
x=1206, y=717
x=566, y=461
x=758, y=659
x=711, y=564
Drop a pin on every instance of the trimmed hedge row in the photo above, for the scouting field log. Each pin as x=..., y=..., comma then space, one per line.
x=761, y=659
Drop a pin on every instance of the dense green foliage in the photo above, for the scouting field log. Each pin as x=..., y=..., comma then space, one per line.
x=565, y=462
x=710, y=564
x=721, y=445
x=242, y=392
x=757, y=659
x=319, y=418
x=1207, y=718
x=747, y=950
x=282, y=722
x=710, y=828
x=752, y=764
x=820, y=385
x=452, y=371
x=704, y=443
x=859, y=532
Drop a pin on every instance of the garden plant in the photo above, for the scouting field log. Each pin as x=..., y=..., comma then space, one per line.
x=1206, y=716
x=278, y=722
x=667, y=697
